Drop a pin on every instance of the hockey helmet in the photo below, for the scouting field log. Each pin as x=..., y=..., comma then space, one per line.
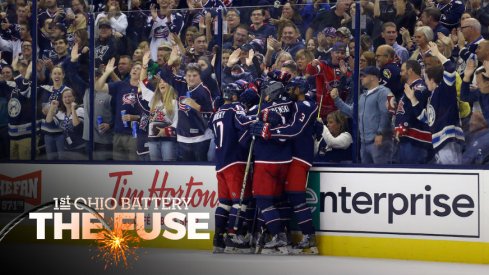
x=230, y=90
x=273, y=90
x=299, y=82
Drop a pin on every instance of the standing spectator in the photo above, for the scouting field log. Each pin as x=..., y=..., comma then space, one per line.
x=330, y=75
x=117, y=19
x=195, y=108
x=162, y=122
x=259, y=29
x=16, y=46
x=441, y=113
x=20, y=114
x=390, y=35
x=289, y=42
x=124, y=94
x=107, y=46
x=69, y=118
x=451, y=12
x=102, y=130
x=163, y=22
x=471, y=33
x=53, y=134
x=431, y=18
x=124, y=67
x=422, y=36
x=414, y=136
x=374, y=119
x=481, y=94
x=137, y=29
x=335, y=18
x=240, y=37
x=389, y=70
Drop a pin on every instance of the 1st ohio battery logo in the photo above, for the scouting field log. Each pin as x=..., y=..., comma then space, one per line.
x=421, y=204
x=14, y=192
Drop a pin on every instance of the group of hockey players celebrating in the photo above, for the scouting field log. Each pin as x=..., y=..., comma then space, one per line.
x=271, y=123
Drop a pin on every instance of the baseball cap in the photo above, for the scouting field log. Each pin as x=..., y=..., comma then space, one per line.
x=370, y=70
x=339, y=47
x=61, y=27
x=329, y=32
x=103, y=24
x=344, y=31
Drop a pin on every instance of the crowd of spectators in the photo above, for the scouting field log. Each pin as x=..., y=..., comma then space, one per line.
x=159, y=69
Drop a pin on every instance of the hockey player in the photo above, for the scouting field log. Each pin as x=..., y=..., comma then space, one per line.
x=227, y=124
x=300, y=134
x=272, y=159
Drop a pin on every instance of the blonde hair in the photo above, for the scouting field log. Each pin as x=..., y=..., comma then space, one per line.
x=167, y=99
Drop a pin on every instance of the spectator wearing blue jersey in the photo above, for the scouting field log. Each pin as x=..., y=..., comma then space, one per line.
x=259, y=28
x=441, y=113
x=69, y=117
x=194, y=109
x=124, y=94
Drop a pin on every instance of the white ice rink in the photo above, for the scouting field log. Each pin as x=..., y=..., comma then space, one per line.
x=62, y=259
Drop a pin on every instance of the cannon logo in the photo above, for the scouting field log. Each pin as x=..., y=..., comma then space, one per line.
x=26, y=187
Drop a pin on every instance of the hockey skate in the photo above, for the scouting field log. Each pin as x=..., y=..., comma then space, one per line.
x=307, y=246
x=276, y=246
x=218, y=243
x=237, y=244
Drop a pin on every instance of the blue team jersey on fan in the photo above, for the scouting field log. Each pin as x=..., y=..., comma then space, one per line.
x=125, y=97
x=275, y=150
x=192, y=124
x=228, y=125
x=300, y=131
x=441, y=112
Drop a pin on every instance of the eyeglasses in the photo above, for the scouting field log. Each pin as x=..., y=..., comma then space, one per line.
x=463, y=27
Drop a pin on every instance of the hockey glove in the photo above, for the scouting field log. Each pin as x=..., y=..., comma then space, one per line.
x=277, y=75
x=260, y=129
x=271, y=117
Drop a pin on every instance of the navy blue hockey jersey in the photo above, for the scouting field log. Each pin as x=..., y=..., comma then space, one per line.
x=227, y=125
x=274, y=150
x=416, y=131
x=300, y=131
x=192, y=124
x=441, y=112
x=391, y=78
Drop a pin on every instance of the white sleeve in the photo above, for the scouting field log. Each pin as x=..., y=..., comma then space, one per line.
x=119, y=24
x=146, y=93
x=6, y=45
x=175, y=114
x=342, y=141
x=80, y=112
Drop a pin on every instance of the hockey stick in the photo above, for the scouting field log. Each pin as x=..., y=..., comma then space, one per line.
x=247, y=170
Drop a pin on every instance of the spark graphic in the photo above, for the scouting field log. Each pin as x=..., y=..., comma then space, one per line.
x=117, y=245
